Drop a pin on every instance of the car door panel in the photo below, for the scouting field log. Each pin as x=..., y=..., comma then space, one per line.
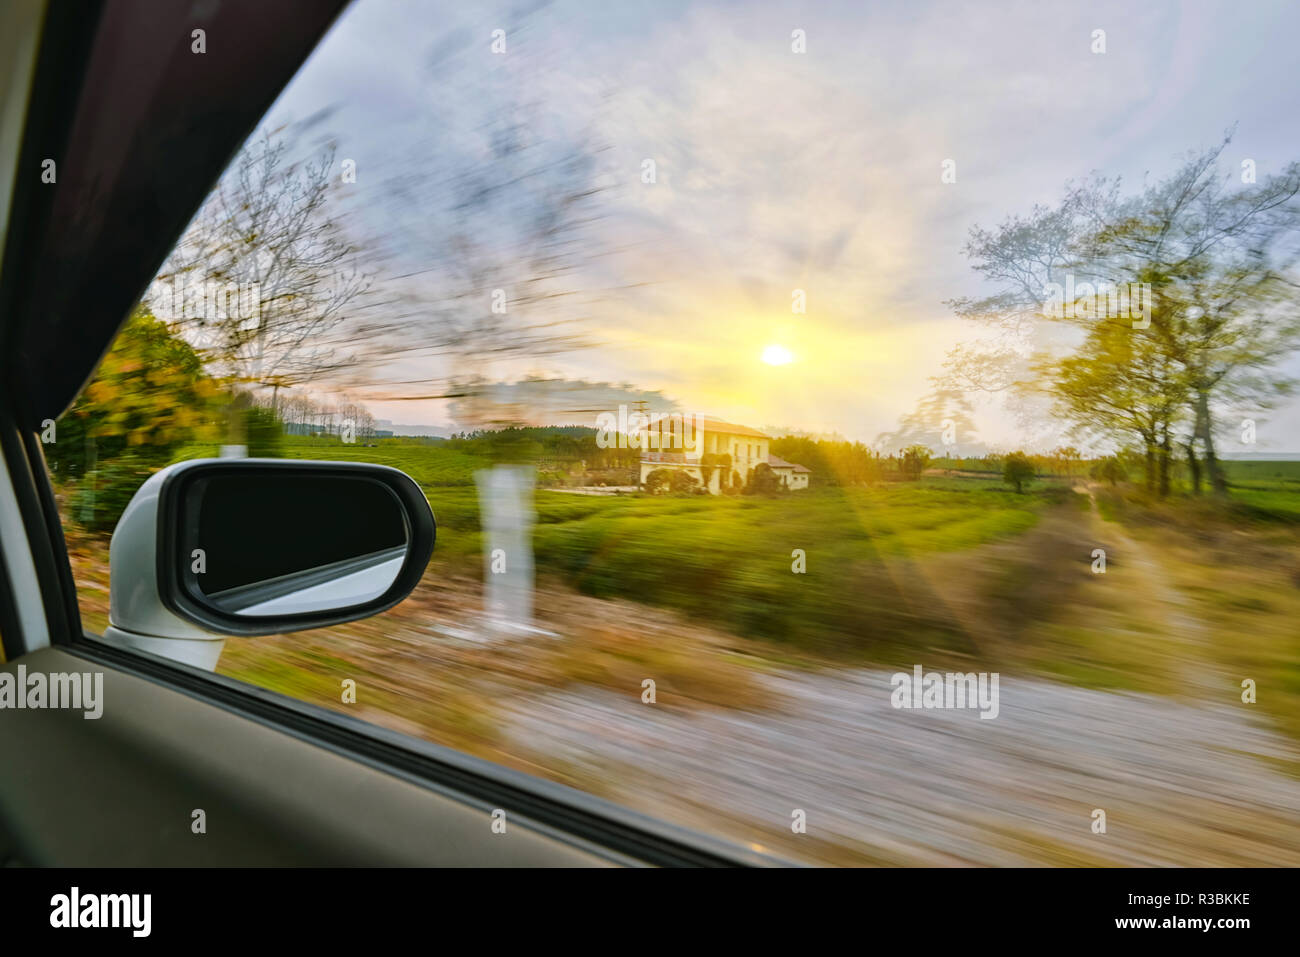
x=122, y=789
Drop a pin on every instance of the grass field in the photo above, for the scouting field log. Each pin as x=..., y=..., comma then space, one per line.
x=1236, y=570
x=873, y=575
x=730, y=560
x=430, y=465
x=1267, y=490
x=733, y=561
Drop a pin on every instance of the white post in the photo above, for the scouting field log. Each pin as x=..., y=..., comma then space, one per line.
x=506, y=514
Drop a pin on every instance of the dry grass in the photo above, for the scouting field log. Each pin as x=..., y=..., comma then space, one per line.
x=685, y=674
x=1245, y=586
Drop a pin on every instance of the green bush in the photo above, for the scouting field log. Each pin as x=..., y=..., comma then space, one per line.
x=762, y=481
x=1017, y=470
x=914, y=461
x=716, y=558
x=657, y=481
x=265, y=433
x=683, y=483
x=100, y=497
x=1110, y=469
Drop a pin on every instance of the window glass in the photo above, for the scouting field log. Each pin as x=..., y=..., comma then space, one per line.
x=825, y=455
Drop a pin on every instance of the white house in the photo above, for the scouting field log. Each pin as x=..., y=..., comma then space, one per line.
x=698, y=445
x=790, y=475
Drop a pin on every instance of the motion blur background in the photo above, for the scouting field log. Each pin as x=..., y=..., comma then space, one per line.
x=463, y=234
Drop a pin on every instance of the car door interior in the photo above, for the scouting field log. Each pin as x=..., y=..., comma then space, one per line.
x=278, y=781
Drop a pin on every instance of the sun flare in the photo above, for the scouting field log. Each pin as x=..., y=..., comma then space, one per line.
x=777, y=355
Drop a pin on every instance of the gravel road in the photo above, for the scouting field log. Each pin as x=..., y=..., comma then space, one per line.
x=1181, y=782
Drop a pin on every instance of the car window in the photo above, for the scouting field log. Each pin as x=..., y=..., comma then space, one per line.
x=863, y=433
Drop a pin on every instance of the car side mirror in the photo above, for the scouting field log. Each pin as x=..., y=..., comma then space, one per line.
x=216, y=547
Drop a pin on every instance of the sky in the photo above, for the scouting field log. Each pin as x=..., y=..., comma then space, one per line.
x=775, y=171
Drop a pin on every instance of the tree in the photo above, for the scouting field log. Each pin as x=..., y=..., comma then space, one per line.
x=830, y=461
x=1213, y=262
x=1065, y=458
x=1120, y=383
x=913, y=461
x=500, y=242
x=1220, y=260
x=711, y=461
x=1021, y=258
x=1017, y=471
x=267, y=232
x=943, y=418
x=1110, y=469
x=148, y=396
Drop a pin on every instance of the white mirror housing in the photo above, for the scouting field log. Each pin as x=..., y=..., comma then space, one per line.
x=304, y=545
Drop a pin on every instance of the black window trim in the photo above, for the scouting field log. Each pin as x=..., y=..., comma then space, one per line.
x=34, y=496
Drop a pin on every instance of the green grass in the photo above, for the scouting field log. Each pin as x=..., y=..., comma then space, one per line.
x=730, y=561
x=1266, y=489
x=727, y=561
x=1266, y=473
x=431, y=466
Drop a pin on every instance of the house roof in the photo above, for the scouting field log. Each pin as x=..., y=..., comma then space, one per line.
x=716, y=425
x=730, y=428
x=779, y=463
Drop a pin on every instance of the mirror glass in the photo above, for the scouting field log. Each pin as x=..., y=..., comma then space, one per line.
x=282, y=543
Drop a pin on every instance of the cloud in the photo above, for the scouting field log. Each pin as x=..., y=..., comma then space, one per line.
x=778, y=171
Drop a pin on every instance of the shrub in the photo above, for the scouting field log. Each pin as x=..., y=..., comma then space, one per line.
x=914, y=460
x=711, y=461
x=683, y=483
x=1017, y=470
x=1110, y=469
x=102, y=495
x=657, y=481
x=265, y=433
x=762, y=481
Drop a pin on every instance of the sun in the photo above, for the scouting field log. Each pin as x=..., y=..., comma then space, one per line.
x=776, y=355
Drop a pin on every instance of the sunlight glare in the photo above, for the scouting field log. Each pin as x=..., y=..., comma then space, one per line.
x=776, y=355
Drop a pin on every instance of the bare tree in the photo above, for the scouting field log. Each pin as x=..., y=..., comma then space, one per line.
x=285, y=274
x=501, y=243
